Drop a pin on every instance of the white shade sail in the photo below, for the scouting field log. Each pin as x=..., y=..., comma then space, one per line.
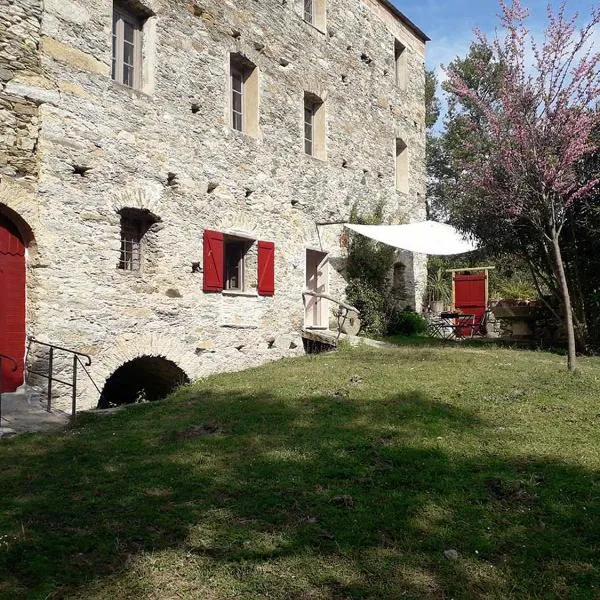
x=426, y=237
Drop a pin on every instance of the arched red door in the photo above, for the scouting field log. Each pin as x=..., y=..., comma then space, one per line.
x=12, y=303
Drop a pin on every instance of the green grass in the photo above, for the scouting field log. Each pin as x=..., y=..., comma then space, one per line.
x=341, y=476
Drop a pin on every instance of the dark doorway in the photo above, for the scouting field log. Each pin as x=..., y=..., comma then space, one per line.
x=142, y=379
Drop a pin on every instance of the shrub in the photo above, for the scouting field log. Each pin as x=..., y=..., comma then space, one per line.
x=406, y=322
x=368, y=269
x=371, y=304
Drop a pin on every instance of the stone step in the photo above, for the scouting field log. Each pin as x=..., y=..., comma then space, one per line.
x=22, y=412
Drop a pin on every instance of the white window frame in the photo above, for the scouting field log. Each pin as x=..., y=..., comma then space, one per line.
x=120, y=17
x=309, y=127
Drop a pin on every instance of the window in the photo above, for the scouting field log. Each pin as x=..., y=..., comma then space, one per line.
x=235, y=259
x=126, y=48
x=401, y=166
x=237, y=264
x=308, y=11
x=243, y=76
x=314, y=126
x=237, y=99
x=400, y=56
x=315, y=13
x=309, y=119
x=134, y=225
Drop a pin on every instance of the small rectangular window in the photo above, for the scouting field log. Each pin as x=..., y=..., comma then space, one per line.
x=237, y=99
x=131, y=244
x=238, y=264
x=314, y=133
x=134, y=226
x=243, y=83
x=315, y=13
x=308, y=11
x=235, y=252
x=309, y=120
x=402, y=167
x=400, y=65
x=126, y=48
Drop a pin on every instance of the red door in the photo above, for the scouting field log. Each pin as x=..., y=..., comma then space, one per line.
x=470, y=291
x=12, y=303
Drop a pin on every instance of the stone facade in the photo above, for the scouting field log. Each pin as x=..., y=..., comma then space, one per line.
x=77, y=147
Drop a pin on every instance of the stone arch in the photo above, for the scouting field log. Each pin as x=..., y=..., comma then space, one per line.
x=145, y=378
x=17, y=203
x=128, y=347
x=23, y=228
x=317, y=89
x=147, y=199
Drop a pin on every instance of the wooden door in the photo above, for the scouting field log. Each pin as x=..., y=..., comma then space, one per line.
x=317, y=280
x=470, y=296
x=12, y=303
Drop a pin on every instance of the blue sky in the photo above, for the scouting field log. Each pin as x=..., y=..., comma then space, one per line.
x=450, y=23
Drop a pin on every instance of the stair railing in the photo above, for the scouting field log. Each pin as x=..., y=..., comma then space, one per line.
x=14, y=368
x=345, y=308
x=77, y=360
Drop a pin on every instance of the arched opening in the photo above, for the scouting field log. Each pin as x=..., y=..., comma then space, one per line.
x=143, y=379
x=12, y=304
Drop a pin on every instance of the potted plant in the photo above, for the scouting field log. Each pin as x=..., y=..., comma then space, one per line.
x=438, y=290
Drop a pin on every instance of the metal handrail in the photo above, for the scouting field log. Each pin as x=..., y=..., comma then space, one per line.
x=15, y=367
x=341, y=318
x=89, y=358
x=49, y=376
x=341, y=304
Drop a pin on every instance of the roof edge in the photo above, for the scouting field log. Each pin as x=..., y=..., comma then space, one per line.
x=402, y=17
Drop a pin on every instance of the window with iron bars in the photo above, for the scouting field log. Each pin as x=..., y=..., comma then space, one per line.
x=134, y=225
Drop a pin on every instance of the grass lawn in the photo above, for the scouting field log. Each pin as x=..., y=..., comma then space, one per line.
x=340, y=476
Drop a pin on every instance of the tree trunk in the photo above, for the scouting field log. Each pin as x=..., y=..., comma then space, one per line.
x=566, y=299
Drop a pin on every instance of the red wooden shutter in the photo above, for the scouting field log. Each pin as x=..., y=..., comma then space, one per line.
x=266, y=268
x=213, y=261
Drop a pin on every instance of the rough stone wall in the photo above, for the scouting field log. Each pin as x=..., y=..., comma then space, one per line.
x=131, y=140
x=19, y=55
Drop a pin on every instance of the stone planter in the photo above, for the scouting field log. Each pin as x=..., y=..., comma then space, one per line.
x=516, y=321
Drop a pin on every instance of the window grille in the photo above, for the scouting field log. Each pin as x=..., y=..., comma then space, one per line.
x=132, y=232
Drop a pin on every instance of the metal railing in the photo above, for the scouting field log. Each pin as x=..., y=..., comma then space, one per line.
x=77, y=356
x=15, y=367
x=341, y=316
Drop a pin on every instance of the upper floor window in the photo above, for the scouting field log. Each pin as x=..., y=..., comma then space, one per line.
x=243, y=76
x=315, y=13
x=309, y=127
x=401, y=166
x=126, y=48
x=401, y=65
x=314, y=126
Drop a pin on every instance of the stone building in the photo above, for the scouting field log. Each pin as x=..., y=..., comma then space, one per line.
x=164, y=165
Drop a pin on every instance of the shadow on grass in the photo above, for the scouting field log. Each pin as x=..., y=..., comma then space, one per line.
x=345, y=499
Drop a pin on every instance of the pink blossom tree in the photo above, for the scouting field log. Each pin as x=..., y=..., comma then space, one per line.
x=533, y=135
